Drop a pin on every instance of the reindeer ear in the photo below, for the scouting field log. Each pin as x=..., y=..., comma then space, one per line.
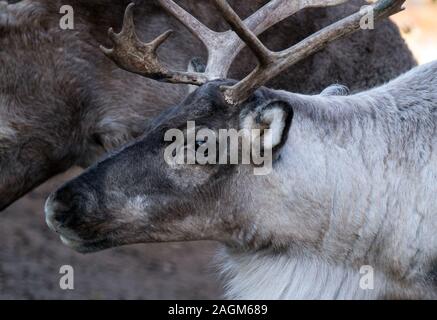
x=276, y=116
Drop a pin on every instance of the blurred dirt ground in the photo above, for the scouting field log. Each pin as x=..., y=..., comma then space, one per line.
x=31, y=255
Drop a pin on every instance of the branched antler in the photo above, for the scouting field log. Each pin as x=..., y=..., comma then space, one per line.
x=131, y=54
x=223, y=47
x=273, y=63
x=135, y=56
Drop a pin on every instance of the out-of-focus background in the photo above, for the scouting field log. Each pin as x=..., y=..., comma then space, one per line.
x=31, y=255
x=418, y=24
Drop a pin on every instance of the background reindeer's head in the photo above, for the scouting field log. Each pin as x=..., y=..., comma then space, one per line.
x=136, y=196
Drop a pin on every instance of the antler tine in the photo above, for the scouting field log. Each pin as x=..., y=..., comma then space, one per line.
x=135, y=56
x=202, y=32
x=277, y=10
x=279, y=61
x=262, y=53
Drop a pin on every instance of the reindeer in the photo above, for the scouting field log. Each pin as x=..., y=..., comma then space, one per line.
x=60, y=99
x=352, y=182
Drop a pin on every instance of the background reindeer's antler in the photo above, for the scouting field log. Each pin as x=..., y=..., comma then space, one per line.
x=135, y=56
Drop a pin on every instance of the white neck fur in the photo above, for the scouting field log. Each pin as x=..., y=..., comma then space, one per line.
x=254, y=276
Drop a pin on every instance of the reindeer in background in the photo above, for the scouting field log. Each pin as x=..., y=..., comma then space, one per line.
x=353, y=181
x=63, y=104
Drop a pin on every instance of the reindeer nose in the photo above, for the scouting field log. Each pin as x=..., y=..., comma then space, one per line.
x=65, y=207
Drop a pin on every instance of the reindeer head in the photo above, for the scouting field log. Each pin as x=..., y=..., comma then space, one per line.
x=138, y=195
